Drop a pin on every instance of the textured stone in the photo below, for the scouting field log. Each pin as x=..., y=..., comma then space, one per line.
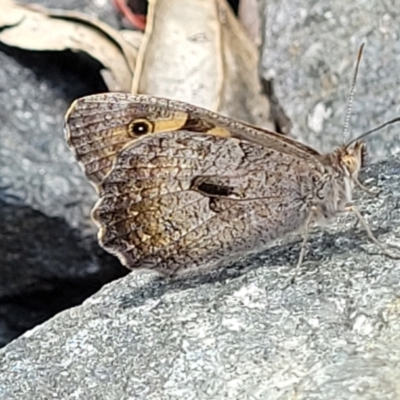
x=247, y=333
x=310, y=49
x=50, y=258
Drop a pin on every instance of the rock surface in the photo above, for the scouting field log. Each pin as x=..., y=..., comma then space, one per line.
x=50, y=258
x=246, y=333
x=310, y=49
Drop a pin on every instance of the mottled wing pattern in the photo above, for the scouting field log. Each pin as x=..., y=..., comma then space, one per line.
x=184, y=188
x=186, y=201
x=98, y=127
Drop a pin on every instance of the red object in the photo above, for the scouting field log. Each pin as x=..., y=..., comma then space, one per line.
x=136, y=20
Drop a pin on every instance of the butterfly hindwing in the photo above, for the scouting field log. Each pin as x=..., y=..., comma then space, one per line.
x=192, y=200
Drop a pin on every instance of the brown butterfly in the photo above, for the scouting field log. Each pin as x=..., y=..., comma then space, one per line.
x=182, y=188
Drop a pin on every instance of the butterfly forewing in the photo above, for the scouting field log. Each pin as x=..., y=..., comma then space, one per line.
x=98, y=127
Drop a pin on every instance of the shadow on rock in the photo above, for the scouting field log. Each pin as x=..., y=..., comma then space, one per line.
x=46, y=267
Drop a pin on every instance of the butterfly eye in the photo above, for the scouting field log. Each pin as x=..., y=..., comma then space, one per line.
x=140, y=127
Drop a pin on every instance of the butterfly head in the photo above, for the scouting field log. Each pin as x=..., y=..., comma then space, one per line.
x=352, y=158
x=347, y=161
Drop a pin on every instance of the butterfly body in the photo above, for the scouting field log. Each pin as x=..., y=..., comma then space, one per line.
x=182, y=188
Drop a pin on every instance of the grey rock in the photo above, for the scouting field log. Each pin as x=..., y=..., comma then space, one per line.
x=247, y=333
x=242, y=334
x=310, y=50
x=50, y=258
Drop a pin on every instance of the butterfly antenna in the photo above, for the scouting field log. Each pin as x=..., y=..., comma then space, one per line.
x=352, y=91
x=378, y=128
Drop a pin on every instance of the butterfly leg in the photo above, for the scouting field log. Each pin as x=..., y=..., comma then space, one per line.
x=306, y=234
x=371, y=192
x=371, y=235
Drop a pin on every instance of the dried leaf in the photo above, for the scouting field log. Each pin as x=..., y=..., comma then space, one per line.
x=250, y=18
x=175, y=54
x=196, y=51
x=36, y=28
x=241, y=93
